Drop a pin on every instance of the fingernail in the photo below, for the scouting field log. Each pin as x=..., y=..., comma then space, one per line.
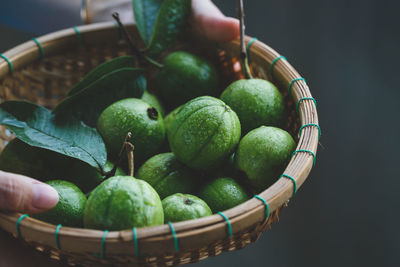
x=44, y=196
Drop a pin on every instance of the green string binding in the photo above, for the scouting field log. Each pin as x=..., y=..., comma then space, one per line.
x=249, y=45
x=308, y=125
x=41, y=50
x=265, y=204
x=10, y=66
x=292, y=82
x=271, y=69
x=56, y=237
x=78, y=35
x=305, y=98
x=103, y=246
x=307, y=151
x=294, y=182
x=136, y=242
x=18, y=223
x=174, y=235
x=228, y=223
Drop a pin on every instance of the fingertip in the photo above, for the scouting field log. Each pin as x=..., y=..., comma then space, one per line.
x=234, y=28
x=211, y=24
x=45, y=197
x=219, y=29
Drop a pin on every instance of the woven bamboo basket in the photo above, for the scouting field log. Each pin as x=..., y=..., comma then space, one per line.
x=42, y=71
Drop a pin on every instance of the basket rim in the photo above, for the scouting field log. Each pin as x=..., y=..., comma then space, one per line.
x=276, y=195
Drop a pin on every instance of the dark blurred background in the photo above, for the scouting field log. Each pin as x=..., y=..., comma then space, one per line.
x=346, y=214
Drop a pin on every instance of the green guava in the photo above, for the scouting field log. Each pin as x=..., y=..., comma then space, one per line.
x=123, y=202
x=223, y=193
x=203, y=132
x=70, y=207
x=167, y=175
x=257, y=102
x=181, y=207
x=262, y=155
x=185, y=76
x=137, y=117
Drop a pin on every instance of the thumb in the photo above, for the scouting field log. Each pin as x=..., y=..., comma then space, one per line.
x=210, y=23
x=24, y=194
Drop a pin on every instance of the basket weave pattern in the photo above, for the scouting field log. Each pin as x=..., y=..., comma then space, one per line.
x=46, y=81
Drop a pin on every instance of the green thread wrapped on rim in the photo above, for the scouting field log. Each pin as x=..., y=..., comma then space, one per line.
x=174, y=235
x=78, y=35
x=265, y=204
x=293, y=180
x=103, y=245
x=293, y=81
x=17, y=225
x=311, y=124
x=135, y=241
x=305, y=98
x=228, y=223
x=41, y=50
x=56, y=236
x=307, y=151
x=249, y=45
x=10, y=65
x=271, y=68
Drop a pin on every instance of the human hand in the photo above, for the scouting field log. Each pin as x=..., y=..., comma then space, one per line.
x=24, y=194
x=210, y=23
x=207, y=20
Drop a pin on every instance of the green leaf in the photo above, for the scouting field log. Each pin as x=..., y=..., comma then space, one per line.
x=37, y=126
x=171, y=20
x=145, y=12
x=87, y=104
x=101, y=70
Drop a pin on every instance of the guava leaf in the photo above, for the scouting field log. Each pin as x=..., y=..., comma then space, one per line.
x=145, y=13
x=37, y=126
x=101, y=70
x=171, y=20
x=87, y=104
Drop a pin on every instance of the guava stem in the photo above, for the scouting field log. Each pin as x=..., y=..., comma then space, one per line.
x=131, y=159
x=120, y=156
x=142, y=57
x=243, y=51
